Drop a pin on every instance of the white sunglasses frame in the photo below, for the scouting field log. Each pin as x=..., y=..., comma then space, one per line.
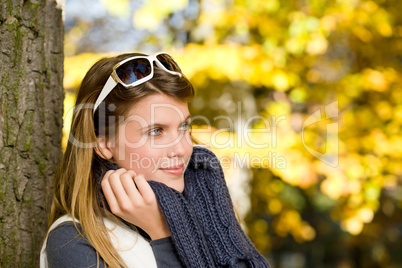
x=114, y=79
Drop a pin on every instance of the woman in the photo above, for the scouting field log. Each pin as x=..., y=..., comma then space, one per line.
x=123, y=174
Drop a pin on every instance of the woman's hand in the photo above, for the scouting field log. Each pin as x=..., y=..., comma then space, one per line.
x=137, y=205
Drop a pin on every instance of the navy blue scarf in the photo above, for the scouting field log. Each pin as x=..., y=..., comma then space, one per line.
x=202, y=221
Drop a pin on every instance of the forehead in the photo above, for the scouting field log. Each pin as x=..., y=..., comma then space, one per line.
x=159, y=108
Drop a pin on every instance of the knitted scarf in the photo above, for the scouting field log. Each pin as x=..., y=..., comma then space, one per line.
x=202, y=221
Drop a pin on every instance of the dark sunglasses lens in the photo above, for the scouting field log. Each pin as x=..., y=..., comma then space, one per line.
x=168, y=62
x=133, y=70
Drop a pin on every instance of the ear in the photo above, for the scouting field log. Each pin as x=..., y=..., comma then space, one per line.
x=103, y=150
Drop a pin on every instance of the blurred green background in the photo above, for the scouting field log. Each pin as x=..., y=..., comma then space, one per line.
x=304, y=100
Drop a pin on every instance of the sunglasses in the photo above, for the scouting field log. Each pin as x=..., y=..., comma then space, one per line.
x=135, y=71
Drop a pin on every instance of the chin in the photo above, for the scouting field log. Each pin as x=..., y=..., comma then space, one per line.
x=172, y=181
x=177, y=185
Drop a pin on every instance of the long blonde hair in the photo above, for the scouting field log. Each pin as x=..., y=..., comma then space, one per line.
x=75, y=188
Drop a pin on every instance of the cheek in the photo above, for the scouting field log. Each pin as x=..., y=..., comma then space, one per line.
x=129, y=145
x=133, y=138
x=130, y=135
x=144, y=160
x=189, y=143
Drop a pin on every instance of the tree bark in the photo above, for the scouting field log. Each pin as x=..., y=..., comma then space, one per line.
x=31, y=111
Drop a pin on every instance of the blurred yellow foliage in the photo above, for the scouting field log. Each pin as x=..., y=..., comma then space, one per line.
x=299, y=57
x=75, y=68
x=153, y=12
x=118, y=8
x=291, y=222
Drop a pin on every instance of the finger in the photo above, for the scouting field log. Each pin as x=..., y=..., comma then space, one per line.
x=127, y=180
x=106, y=176
x=145, y=189
x=108, y=193
x=118, y=190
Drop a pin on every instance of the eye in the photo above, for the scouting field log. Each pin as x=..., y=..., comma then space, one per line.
x=185, y=126
x=155, y=132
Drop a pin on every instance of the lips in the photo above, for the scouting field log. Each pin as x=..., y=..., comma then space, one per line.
x=175, y=170
x=174, y=167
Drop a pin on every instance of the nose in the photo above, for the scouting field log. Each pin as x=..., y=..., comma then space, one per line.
x=178, y=147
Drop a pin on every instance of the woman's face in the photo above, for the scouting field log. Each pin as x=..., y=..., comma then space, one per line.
x=154, y=140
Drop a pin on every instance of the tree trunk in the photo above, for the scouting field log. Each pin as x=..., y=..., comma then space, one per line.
x=31, y=111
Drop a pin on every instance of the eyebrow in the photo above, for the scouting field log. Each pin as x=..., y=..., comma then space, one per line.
x=165, y=125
